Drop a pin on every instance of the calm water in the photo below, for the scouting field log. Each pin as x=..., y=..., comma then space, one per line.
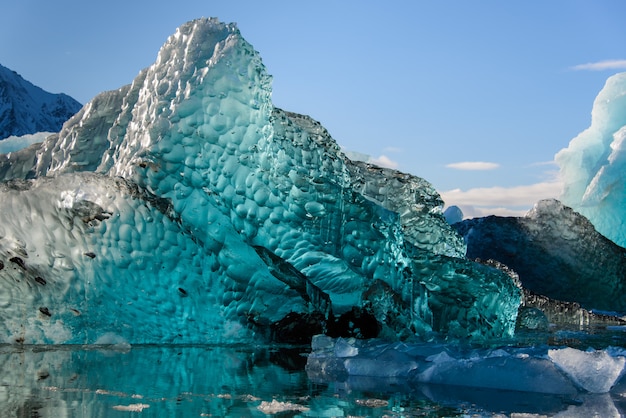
x=199, y=381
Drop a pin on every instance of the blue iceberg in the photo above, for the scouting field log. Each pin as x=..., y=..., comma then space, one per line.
x=591, y=166
x=186, y=208
x=562, y=371
x=555, y=251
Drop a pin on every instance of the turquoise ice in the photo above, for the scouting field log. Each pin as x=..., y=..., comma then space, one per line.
x=591, y=167
x=144, y=217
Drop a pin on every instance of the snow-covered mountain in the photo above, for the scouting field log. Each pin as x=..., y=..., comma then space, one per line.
x=27, y=109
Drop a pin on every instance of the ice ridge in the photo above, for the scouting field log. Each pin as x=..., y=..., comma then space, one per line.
x=591, y=166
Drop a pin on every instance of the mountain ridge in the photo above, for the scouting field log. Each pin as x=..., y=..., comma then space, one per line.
x=26, y=108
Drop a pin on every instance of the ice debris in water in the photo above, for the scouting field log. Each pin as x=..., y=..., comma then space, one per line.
x=592, y=166
x=593, y=371
x=134, y=407
x=564, y=371
x=277, y=407
x=186, y=208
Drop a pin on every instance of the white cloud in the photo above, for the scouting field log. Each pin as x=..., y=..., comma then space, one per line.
x=602, y=65
x=502, y=201
x=381, y=161
x=474, y=212
x=544, y=163
x=384, y=161
x=473, y=165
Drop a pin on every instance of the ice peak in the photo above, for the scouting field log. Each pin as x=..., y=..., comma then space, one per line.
x=196, y=40
x=592, y=165
x=202, y=150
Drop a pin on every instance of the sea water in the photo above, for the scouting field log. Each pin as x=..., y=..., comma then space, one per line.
x=241, y=381
x=186, y=381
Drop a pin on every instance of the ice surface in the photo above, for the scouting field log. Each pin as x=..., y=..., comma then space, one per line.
x=16, y=143
x=593, y=371
x=94, y=255
x=453, y=214
x=185, y=208
x=591, y=167
x=555, y=251
x=563, y=371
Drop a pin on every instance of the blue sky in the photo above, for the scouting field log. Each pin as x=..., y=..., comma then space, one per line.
x=475, y=97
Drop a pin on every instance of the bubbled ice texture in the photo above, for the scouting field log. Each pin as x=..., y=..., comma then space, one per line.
x=218, y=172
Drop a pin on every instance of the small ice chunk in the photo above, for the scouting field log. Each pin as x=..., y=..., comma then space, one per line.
x=276, y=407
x=343, y=348
x=376, y=368
x=453, y=214
x=116, y=342
x=440, y=357
x=593, y=371
x=134, y=407
x=321, y=342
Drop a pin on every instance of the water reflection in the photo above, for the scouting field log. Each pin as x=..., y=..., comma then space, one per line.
x=197, y=381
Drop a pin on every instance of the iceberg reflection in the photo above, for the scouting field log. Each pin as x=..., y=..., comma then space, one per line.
x=110, y=381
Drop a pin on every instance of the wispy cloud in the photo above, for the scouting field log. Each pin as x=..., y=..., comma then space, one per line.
x=544, y=163
x=473, y=165
x=384, y=161
x=502, y=201
x=601, y=65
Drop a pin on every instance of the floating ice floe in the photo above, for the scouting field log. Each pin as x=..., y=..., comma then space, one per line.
x=539, y=369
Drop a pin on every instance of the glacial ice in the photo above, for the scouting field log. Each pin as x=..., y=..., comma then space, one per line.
x=16, y=143
x=564, y=371
x=555, y=251
x=593, y=371
x=591, y=167
x=186, y=208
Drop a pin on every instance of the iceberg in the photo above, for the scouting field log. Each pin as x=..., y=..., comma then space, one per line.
x=591, y=166
x=560, y=371
x=555, y=251
x=16, y=143
x=186, y=208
